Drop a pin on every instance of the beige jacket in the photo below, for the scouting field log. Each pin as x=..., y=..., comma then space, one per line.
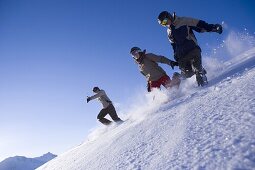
x=103, y=98
x=149, y=66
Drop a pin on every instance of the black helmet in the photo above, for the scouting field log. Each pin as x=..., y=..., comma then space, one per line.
x=133, y=49
x=95, y=89
x=163, y=15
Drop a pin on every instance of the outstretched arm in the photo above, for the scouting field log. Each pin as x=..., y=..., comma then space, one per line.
x=95, y=96
x=158, y=58
x=162, y=59
x=201, y=26
x=99, y=94
x=205, y=27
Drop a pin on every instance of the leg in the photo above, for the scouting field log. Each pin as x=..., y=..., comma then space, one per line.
x=186, y=68
x=101, y=116
x=154, y=84
x=196, y=61
x=186, y=73
x=113, y=113
x=199, y=70
x=166, y=81
x=175, y=80
x=193, y=59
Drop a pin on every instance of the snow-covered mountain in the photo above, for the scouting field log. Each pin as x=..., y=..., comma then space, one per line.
x=23, y=163
x=191, y=128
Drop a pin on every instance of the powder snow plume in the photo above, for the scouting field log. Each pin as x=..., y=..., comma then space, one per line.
x=234, y=44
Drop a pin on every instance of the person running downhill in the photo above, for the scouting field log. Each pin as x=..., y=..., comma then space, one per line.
x=108, y=107
x=155, y=75
x=186, y=49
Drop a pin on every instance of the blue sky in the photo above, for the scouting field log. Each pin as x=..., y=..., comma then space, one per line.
x=52, y=53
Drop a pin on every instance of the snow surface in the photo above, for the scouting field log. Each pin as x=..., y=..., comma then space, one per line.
x=190, y=128
x=23, y=163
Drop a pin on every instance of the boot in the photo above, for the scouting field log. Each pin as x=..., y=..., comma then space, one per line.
x=201, y=78
x=105, y=121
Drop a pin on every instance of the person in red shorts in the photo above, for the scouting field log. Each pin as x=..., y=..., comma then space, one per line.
x=155, y=75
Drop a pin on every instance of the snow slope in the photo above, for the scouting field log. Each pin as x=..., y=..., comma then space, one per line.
x=23, y=163
x=200, y=128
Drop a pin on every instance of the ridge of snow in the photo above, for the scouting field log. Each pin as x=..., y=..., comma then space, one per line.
x=203, y=128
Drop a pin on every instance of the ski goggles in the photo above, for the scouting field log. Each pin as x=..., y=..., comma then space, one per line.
x=163, y=22
x=133, y=53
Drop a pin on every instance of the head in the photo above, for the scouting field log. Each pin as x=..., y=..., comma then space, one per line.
x=134, y=51
x=96, y=89
x=137, y=54
x=165, y=18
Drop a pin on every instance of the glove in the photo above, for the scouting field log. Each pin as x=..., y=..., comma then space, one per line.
x=88, y=99
x=217, y=28
x=148, y=87
x=173, y=63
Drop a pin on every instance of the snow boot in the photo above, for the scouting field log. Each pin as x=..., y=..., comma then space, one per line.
x=105, y=121
x=201, y=78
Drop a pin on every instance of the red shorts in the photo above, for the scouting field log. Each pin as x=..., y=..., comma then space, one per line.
x=166, y=82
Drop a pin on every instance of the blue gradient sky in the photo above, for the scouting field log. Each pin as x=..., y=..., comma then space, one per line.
x=52, y=53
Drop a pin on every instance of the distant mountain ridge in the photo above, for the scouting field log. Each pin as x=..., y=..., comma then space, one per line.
x=23, y=163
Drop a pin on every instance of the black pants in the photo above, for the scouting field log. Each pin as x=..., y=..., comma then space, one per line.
x=191, y=63
x=109, y=110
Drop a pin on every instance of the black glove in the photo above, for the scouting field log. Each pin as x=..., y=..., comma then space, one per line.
x=217, y=28
x=88, y=99
x=173, y=63
x=148, y=87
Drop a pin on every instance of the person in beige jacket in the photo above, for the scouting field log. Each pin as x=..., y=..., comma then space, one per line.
x=108, y=107
x=155, y=75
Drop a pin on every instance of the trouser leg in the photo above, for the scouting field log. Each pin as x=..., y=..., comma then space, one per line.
x=101, y=116
x=198, y=69
x=196, y=62
x=186, y=67
x=193, y=60
x=113, y=113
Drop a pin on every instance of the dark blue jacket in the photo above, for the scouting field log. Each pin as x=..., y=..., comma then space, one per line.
x=181, y=35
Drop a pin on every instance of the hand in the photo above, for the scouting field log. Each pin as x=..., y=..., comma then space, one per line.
x=217, y=28
x=173, y=63
x=88, y=99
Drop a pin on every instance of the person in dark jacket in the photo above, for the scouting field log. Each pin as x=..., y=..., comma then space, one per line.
x=186, y=49
x=108, y=107
x=155, y=75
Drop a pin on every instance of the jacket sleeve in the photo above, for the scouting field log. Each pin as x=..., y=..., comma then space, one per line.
x=158, y=59
x=204, y=27
x=174, y=47
x=187, y=21
x=198, y=25
x=101, y=93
